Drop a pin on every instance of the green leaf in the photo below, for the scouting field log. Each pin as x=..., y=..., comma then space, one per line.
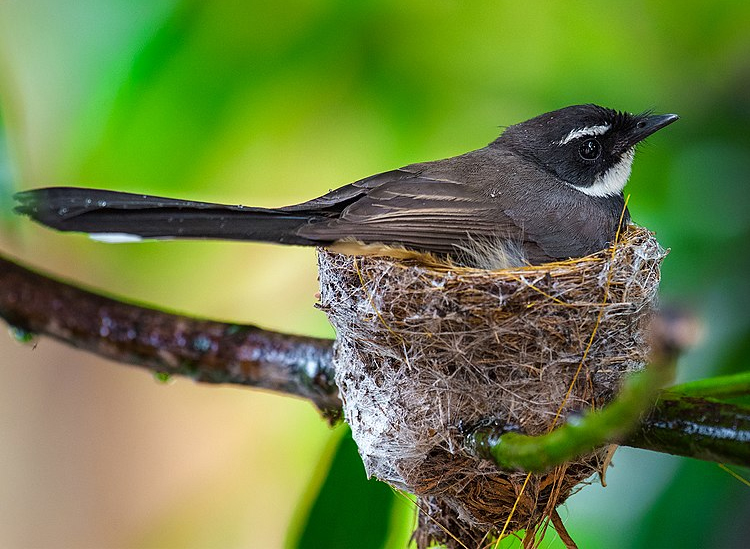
x=719, y=521
x=6, y=179
x=350, y=510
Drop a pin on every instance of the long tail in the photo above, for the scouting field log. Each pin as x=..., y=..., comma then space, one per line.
x=117, y=216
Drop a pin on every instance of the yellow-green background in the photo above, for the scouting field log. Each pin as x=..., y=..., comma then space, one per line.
x=275, y=102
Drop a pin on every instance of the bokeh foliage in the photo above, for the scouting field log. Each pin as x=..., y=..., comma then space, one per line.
x=271, y=103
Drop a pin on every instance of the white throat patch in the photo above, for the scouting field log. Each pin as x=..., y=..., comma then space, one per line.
x=588, y=131
x=613, y=181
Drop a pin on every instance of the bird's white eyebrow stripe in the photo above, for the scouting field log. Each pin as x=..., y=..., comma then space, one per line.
x=587, y=131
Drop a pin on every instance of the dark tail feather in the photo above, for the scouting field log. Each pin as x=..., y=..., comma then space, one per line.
x=105, y=213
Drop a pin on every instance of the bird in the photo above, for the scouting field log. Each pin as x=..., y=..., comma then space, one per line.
x=547, y=189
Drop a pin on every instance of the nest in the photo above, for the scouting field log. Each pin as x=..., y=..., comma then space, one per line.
x=425, y=350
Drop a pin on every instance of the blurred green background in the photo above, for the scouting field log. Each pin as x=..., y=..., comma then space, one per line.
x=272, y=103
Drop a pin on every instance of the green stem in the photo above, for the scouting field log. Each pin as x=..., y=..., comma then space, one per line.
x=541, y=453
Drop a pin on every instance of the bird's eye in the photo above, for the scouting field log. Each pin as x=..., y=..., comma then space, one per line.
x=590, y=149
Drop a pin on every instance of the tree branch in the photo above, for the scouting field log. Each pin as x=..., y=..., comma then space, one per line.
x=208, y=351
x=695, y=427
x=217, y=352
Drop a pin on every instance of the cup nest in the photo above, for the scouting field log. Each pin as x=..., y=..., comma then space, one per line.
x=425, y=349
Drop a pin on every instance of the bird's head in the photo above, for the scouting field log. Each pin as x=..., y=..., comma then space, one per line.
x=587, y=146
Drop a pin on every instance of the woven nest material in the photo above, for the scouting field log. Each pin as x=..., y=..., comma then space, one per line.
x=422, y=351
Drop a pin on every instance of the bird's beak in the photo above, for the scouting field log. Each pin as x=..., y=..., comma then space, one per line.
x=648, y=125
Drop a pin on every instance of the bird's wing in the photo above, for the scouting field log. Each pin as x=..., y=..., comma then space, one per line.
x=426, y=213
x=336, y=200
